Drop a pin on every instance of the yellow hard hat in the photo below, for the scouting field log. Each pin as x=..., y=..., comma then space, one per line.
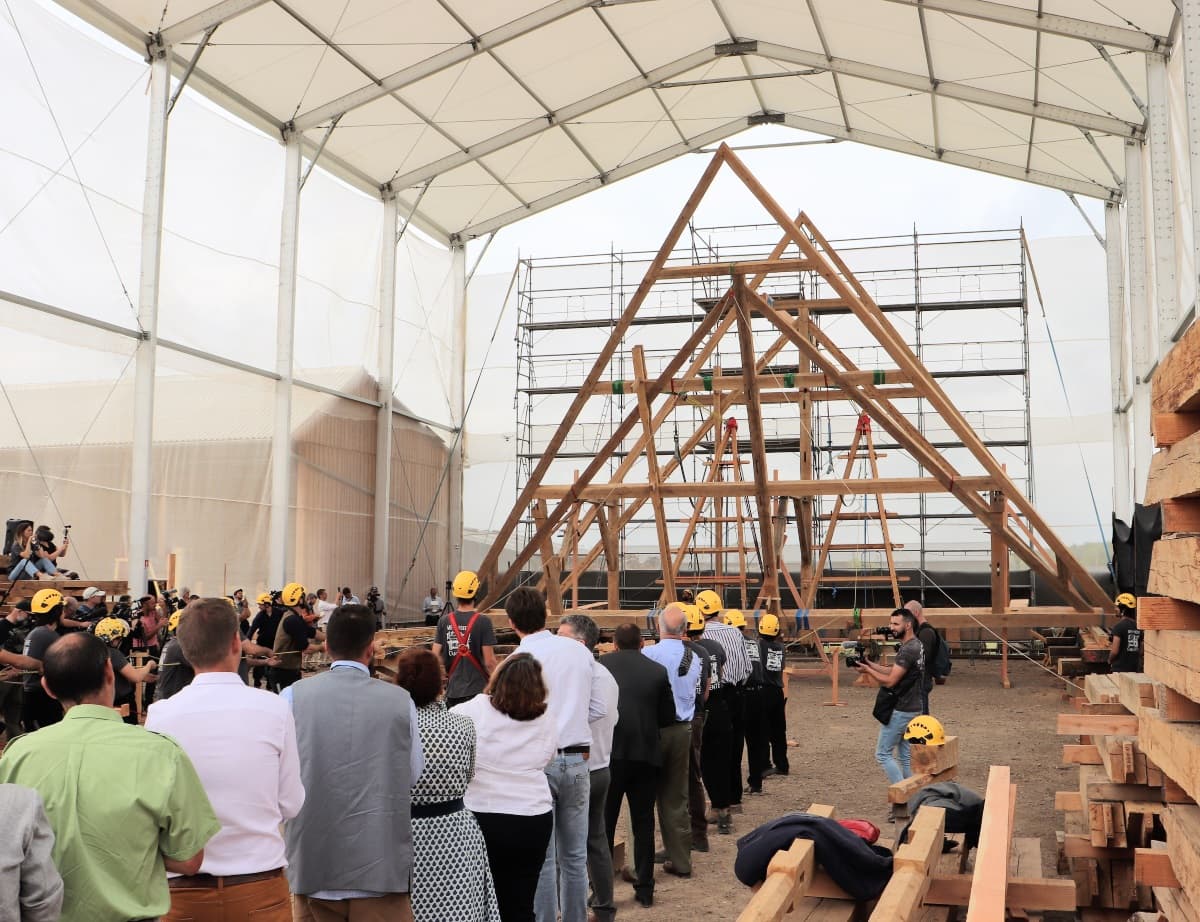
x=110, y=629
x=1126, y=600
x=292, y=594
x=465, y=585
x=734, y=618
x=708, y=602
x=173, y=621
x=44, y=600
x=263, y=598
x=925, y=731
x=695, y=620
x=768, y=625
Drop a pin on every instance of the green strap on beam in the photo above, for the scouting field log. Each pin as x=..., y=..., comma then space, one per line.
x=708, y=382
x=618, y=387
x=789, y=380
x=880, y=376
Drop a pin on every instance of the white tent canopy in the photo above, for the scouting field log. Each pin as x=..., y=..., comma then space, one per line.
x=479, y=114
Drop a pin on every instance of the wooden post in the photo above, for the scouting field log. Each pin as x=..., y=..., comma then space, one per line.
x=660, y=517
x=999, y=568
x=612, y=562
x=550, y=563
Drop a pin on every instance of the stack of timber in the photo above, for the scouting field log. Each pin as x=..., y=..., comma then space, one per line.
x=1088, y=653
x=1169, y=724
x=1115, y=809
x=927, y=885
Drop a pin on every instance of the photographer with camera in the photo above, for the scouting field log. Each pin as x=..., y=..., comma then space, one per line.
x=375, y=603
x=899, y=701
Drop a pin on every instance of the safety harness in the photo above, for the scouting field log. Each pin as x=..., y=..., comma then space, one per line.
x=464, y=650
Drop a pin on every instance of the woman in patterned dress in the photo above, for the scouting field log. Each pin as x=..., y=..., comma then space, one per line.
x=452, y=880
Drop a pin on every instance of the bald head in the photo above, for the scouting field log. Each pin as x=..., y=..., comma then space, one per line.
x=672, y=621
x=916, y=608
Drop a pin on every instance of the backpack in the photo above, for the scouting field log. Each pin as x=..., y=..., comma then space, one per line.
x=941, y=666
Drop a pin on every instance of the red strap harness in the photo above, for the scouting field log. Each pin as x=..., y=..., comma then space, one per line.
x=464, y=650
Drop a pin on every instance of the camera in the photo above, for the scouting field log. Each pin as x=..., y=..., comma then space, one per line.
x=854, y=652
x=885, y=632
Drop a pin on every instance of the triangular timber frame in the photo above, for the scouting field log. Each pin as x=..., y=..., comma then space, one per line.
x=614, y=503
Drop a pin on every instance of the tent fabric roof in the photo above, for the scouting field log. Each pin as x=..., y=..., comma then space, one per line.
x=481, y=113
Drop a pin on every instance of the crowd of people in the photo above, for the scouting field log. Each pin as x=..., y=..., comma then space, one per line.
x=469, y=788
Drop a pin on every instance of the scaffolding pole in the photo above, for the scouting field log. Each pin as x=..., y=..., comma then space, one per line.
x=383, y=429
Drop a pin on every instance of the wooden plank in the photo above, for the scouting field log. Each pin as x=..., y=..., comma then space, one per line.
x=1182, y=825
x=1175, y=387
x=1181, y=516
x=1152, y=867
x=1096, y=725
x=1170, y=428
x=1023, y=892
x=1025, y=861
x=1101, y=689
x=934, y=759
x=1077, y=754
x=1164, y=614
x=902, y=791
x=1068, y=801
x=1079, y=846
x=1174, y=472
x=1173, y=706
x=1175, y=905
x=693, y=488
x=1136, y=690
x=915, y=859
x=743, y=267
x=1175, y=568
x=1175, y=748
x=1173, y=658
x=990, y=881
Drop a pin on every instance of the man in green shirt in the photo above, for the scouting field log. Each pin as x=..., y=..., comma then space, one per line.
x=115, y=835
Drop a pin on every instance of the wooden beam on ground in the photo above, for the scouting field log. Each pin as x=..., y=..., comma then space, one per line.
x=1167, y=657
x=1075, y=754
x=989, y=887
x=1096, y=725
x=1174, y=749
x=1022, y=893
x=914, y=862
x=1182, y=825
x=1171, y=428
x=1175, y=471
x=1180, y=516
x=1175, y=568
x=902, y=791
x=1165, y=614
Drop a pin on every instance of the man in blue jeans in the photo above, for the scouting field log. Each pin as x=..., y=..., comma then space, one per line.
x=572, y=702
x=906, y=676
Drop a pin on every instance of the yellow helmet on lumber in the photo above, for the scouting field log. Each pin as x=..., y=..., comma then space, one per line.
x=465, y=585
x=709, y=603
x=925, y=731
x=734, y=618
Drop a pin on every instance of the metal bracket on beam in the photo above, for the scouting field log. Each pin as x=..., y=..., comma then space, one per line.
x=765, y=118
x=191, y=66
x=1137, y=100
x=320, y=147
x=737, y=47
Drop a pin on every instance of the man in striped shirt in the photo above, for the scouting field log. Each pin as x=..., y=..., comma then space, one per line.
x=733, y=677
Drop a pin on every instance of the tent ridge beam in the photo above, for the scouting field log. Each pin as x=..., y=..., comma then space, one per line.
x=1048, y=23
x=1104, y=124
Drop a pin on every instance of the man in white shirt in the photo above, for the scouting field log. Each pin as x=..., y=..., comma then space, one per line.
x=432, y=607
x=572, y=703
x=242, y=741
x=325, y=608
x=604, y=687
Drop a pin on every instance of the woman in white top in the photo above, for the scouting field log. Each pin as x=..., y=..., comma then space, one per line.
x=509, y=795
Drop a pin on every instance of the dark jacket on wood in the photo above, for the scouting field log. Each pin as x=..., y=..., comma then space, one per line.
x=860, y=869
x=644, y=704
x=964, y=809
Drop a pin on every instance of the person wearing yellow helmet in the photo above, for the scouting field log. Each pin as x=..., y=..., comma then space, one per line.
x=262, y=628
x=694, y=622
x=39, y=709
x=771, y=654
x=754, y=727
x=1125, y=649
x=735, y=674
x=465, y=642
x=297, y=635
x=113, y=631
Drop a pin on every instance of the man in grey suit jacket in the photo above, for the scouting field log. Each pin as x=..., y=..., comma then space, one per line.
x=644, y=704
x=360, y=754
x=30, y=888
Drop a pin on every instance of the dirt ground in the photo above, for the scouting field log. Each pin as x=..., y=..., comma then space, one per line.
x=835, y=764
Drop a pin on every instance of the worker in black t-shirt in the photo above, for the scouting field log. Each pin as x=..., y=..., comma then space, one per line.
x=1125, y=654
x=297, y=634
x=754, y=726
x=771, y=654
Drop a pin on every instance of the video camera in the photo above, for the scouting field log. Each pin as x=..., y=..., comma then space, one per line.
x=854, y=652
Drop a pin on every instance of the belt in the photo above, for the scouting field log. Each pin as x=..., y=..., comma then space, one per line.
x=208, y=882
x=441, y=808
x=575, y=750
